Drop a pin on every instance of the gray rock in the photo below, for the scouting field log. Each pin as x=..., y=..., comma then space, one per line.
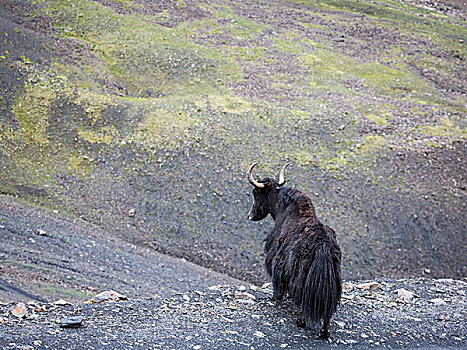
x=404, y=296
x=71, y=322
x=108, y=295
x=437, y=301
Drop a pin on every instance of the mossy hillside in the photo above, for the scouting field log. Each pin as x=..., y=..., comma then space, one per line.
x=172, y=139
x=375, y=75
x=33, y=145
x=328, y=69
x=446, y=36
x=149, y=58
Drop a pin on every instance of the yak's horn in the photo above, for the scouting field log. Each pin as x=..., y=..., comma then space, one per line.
x=281, y=175
x=253, y=181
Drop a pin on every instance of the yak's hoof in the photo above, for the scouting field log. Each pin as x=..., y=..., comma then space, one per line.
x=301, y=323
x=277, y=299
x=324, y=334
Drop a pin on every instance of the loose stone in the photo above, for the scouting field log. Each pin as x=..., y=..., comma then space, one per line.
x=20, y=310
x=71, y=322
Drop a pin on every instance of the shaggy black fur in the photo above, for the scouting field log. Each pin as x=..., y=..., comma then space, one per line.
x=302, y=255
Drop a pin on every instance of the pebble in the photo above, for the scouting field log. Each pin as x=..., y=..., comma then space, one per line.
x=259, y=334
x=62, y=302
x=437, y=301
x=411, y=318
x=404, y=296
x=244, y=295
x=41, y=232
x=372, y=286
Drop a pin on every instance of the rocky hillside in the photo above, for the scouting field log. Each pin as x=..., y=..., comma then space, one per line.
x=45, y=255
x=142, y=117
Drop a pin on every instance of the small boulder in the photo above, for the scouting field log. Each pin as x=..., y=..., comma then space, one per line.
x=71, y=322
x=20, y=310
x=61, y=302
x=109, y=295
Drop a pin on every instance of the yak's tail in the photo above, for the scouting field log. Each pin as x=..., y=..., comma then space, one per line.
x=323, y=286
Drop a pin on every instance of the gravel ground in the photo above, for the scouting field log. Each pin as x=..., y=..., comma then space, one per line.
x=371, y=315
x=176, y=304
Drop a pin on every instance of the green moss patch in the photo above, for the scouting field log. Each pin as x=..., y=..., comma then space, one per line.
x=103, y=135
x=163, y=129
x=149, y=58
x=445, y=128
x=377, y=119
x=360, y=155
x=328, y=68
x=31, y=109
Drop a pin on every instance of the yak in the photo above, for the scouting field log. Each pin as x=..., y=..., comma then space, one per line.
x=302, y=255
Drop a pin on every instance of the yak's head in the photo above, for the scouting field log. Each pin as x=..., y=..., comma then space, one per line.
x=262, y=200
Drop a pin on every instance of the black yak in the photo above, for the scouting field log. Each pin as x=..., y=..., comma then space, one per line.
x=302, y=255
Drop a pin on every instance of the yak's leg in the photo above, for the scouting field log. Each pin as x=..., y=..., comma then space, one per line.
x=278, y=286
x=278, y=291
x=324, y=333
x=301, y=322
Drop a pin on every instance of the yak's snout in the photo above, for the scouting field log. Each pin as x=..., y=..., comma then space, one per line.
x=257, y=212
